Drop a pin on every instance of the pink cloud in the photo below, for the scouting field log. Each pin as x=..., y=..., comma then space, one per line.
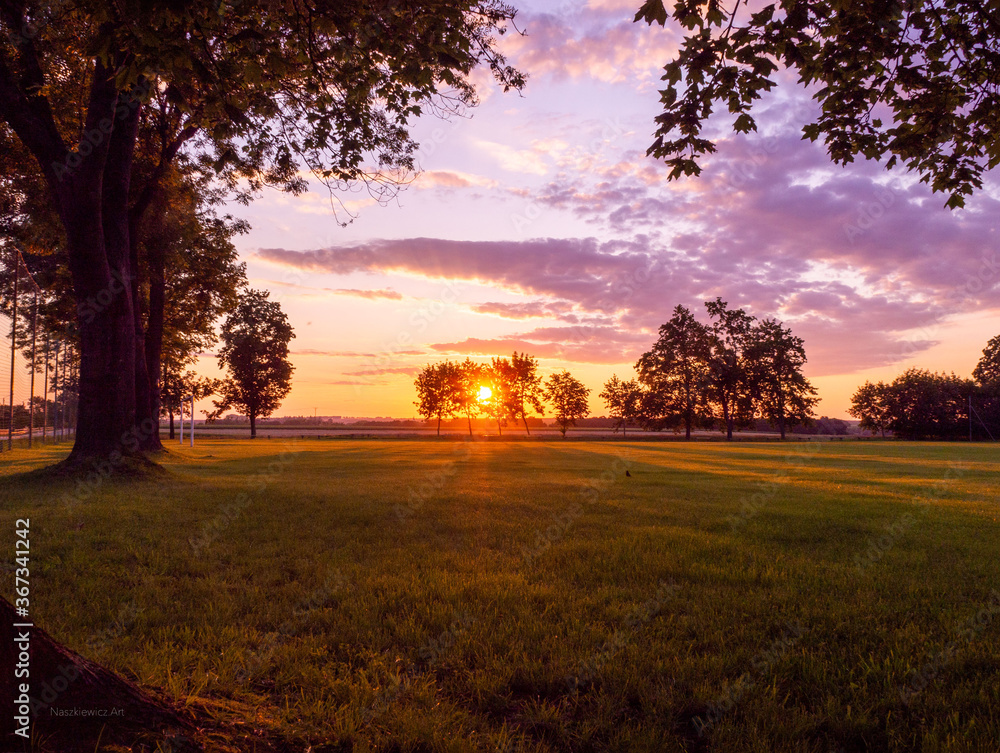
x=409, y=370
x=620, y=52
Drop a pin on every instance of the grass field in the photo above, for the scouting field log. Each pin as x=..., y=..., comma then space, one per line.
x=529, y=596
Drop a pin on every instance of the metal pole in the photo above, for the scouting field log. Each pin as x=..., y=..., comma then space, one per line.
x=34, y=357
x=45, y=393
x=61, y=387
x=13, y=351
x=55, y=397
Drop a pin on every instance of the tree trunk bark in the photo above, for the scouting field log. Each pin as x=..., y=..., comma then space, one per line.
x=93, y=204
x=253, y=425
x=60, y=679
x=171, y=424
x=119, y=230
x=728, y=419
x=524, y=417
x=106, y=415
x=148, y=393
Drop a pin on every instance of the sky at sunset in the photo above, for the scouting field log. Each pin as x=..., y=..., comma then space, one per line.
x=538, y=224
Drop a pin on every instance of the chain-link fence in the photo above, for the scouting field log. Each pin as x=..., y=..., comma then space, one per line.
x=38, y=372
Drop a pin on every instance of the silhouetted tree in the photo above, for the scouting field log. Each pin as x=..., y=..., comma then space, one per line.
x=439, y=391
x=872, y=403
x=624, y=401
x=524, y=388
x=568, y=398
x=987, y=371
x=775, y=358
x=254, y=350
x=728, y=373
x=927, y=405
x=470, y=379
x=675, y=374
x=177, y=388
x=501, y=377
x=987, y=375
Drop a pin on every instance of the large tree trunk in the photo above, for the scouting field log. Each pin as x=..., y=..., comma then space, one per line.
x=92, y=198
x=105, y=425
x=60, y=680
x=253, y=424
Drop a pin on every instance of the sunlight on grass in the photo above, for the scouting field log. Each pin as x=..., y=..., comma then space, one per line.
x=401, y=595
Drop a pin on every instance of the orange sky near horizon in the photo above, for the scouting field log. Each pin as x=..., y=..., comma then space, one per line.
x=538, y=224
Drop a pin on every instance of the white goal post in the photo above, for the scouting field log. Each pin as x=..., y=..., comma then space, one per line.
x=191, y=399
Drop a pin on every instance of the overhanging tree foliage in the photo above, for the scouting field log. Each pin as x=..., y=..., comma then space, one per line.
x=916, y=83
x=256, y=92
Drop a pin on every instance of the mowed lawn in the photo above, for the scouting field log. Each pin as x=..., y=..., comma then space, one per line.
x=529, y=596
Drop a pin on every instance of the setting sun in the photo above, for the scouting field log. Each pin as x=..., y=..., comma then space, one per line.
x=485, y=393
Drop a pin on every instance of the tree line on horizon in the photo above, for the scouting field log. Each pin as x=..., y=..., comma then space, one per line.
x=920, y=404
x=728, y=374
